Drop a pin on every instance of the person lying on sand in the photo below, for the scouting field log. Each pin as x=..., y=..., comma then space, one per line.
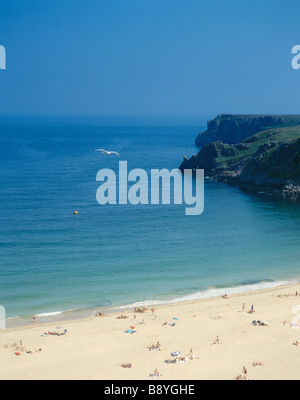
x=225, y=297
x=217, y=341
x=155, y=373
x=258, y=364
x=126, y=365
x=58, y=332
x=169, y=325
x=122, y=316
x=99, y=314
x=155, y=347
x=297, y=344
x=24, y=350
x=140, y=310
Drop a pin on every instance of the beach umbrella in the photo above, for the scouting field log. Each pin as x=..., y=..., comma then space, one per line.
x=176, y=354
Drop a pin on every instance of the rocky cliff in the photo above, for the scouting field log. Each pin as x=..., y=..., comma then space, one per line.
x=234, y=129
x=268, y=161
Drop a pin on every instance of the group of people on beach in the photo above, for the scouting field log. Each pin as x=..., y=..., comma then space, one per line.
x=252, y=310
x=243, y=376
x=155, y=347
x=158, y=346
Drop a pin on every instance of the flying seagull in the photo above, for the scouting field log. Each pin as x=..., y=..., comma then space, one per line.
x=108, y=153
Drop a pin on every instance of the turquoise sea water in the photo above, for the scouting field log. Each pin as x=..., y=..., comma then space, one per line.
x=112, y=256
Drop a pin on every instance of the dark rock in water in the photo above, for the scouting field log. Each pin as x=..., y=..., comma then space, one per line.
x=233, y=129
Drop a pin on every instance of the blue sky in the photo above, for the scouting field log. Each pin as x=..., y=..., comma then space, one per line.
x=149, y=57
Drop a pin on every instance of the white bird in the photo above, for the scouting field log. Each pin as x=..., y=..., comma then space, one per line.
x=108, y=153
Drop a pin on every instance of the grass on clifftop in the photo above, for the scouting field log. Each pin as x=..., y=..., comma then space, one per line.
x=251, y=145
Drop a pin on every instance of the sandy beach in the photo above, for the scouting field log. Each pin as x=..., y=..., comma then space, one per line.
x=95, y=348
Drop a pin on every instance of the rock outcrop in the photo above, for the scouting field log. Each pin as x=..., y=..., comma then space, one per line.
x=233, y=129
x=266, y=162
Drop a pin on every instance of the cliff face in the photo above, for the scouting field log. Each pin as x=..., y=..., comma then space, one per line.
x=234, y=129
x=274, y=164
x=268, y=161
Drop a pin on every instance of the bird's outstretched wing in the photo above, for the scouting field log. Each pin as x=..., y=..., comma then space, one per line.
x=108, y=153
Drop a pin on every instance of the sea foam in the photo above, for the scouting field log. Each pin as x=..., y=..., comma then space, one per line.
x=210, y=293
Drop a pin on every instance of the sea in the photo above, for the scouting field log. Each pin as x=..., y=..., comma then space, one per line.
x=58, y=265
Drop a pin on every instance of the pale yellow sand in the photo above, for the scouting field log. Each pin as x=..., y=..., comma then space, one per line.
x=95, y=348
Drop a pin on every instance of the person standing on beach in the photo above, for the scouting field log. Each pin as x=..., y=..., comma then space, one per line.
x=191, y=355
x=35, y=320
x=244, y=307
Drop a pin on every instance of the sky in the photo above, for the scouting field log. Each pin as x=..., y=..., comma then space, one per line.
x=149, y=57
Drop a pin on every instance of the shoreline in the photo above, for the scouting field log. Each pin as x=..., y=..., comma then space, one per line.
x=95, y=348
x=83, y=314
x=288, y=192
x=113, y=313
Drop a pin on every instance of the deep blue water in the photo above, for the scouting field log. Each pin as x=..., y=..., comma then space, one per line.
x=116, y=255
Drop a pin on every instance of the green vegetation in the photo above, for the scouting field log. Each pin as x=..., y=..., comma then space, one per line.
x=249, y=147
x=266, y=160
x=233, y=129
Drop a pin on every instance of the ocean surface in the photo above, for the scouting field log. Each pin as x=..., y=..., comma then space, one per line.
x=110, y=257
